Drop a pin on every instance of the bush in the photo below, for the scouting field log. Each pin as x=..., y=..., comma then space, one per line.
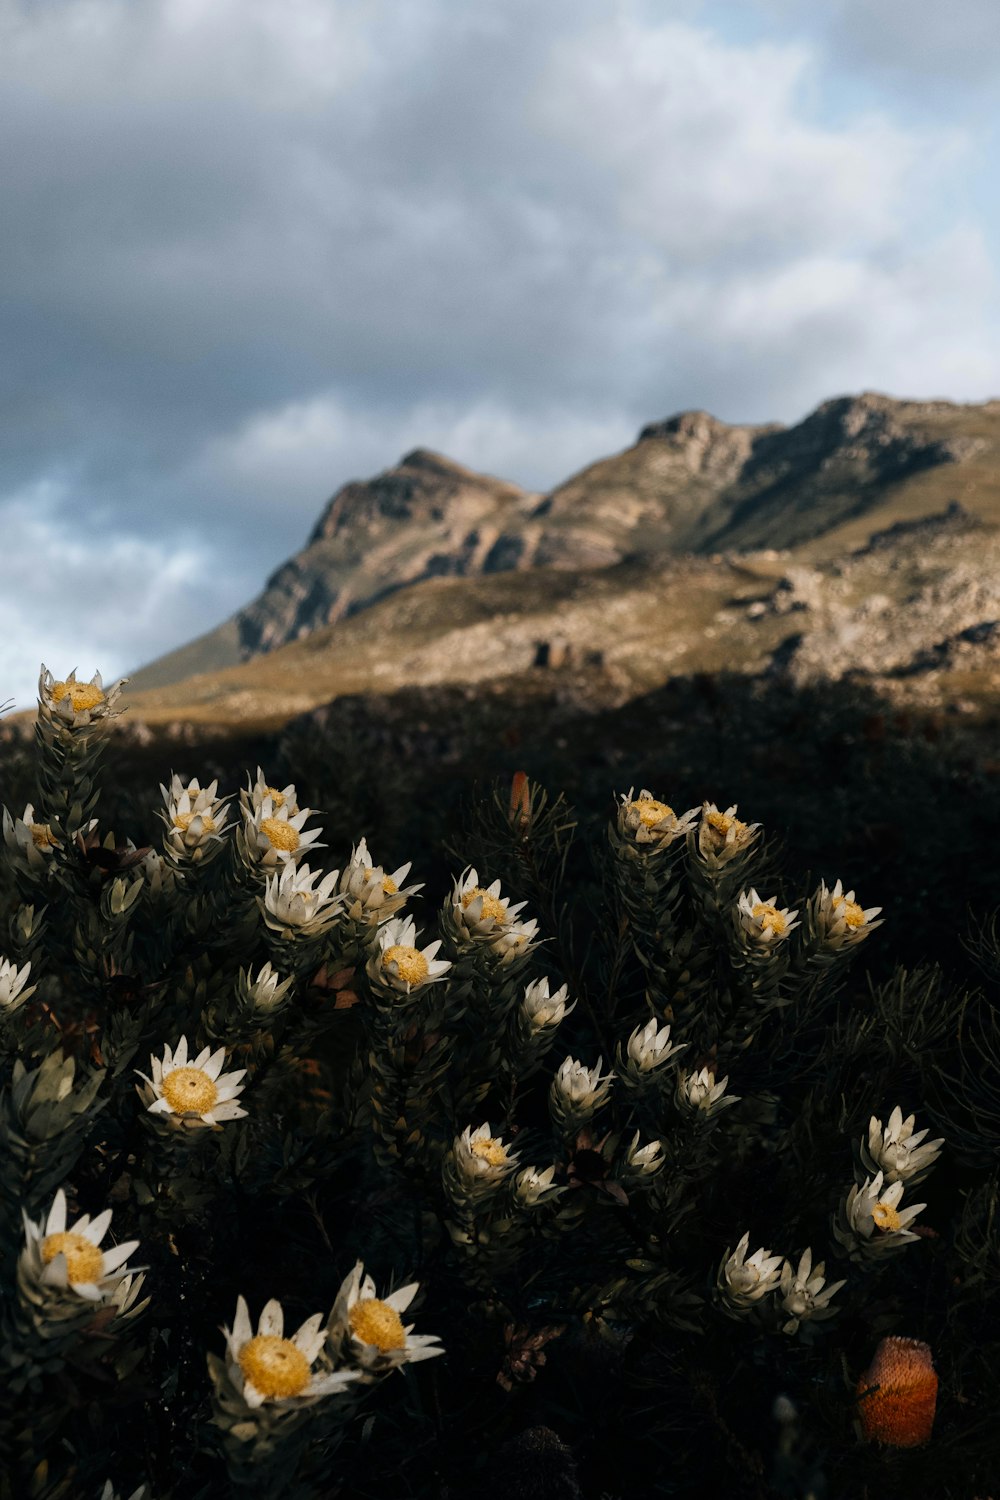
x=629, y=1141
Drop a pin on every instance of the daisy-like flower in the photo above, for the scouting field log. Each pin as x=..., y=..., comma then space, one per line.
x=651, y=824
x=838, y=920
x=12, y=985
x=369, y=892
x=647, y=1049
x=762, y=921
x=71, y=1260
x=803, y=1293
x=194, y=817
x=192, y=1095
x=370, y=1331
x=29, y=843
x=273, y=835
x=265, y=1366
x=870, y=1222
x=398, y=964
x=532, y=1186
x=578, y=1092
x=896, y=1152
x=721, y=836
x=295, y=906
x=698, y=1094
x=744, y=1281
x=481, y=1158
x=77, y=704
x=255, y=793
x=479, y=915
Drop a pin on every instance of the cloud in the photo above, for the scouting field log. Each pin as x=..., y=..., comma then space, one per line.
x=254, y=248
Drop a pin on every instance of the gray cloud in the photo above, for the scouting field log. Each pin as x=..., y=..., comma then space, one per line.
x=253, y=248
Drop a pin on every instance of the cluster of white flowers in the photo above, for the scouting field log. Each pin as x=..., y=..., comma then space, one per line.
x=480, y=916
x=398, y=965
x=650, y=824
x=762, y=921
x=838, y=920
x=191, y=1095
x=746, y=1282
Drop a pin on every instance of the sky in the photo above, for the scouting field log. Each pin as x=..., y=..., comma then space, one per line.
x=252, y=249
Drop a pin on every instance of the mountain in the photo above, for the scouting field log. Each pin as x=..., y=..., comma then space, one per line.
x=864, y=535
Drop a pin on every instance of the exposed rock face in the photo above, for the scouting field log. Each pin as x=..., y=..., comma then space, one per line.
x=858, y=471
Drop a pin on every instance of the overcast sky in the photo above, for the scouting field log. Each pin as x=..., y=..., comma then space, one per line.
x=252, y=249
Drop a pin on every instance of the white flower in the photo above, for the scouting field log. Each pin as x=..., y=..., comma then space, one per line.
x=870, y=1220
x=722, y=835
x=897, y=1152
x=268, y=992
x=649, y=1047
x=541, y=1010
x=29, y=843
x=195, y=817
x=272, y=835
x=838, y=919
x=370, y=1329
x=398, y=964
x=643, y=1161
x=762, y=921
x=192, y=1094
x=578, y=1090
x=699, y=1094
x=532, y=1186
x=294, y=906
x=77, y=704
x=744, y=1281
x=254, y=794
x=369, y=892
x=110, y=1493
x=265, y=1366
x=480, y=915
x=71, y=1260
x=12, y=985
x=803, y=1293
x=652, y=824
x=481, y=1158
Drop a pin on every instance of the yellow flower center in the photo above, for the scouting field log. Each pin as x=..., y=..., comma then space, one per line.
x=41, y=836
x=886, y=1218
x=389, y=886
x=84, y=1261
x=852, y=914
x=492, y=1151
x=82, y=695
x=650, y=812
x=275, y=1366
x=769, y=917
x=720, y=821
x=280, y=834
x=189, y=1090
x=375, y=1322
x=277, y=798
x=410, y=963
x=183, y=821
x=492, y=907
